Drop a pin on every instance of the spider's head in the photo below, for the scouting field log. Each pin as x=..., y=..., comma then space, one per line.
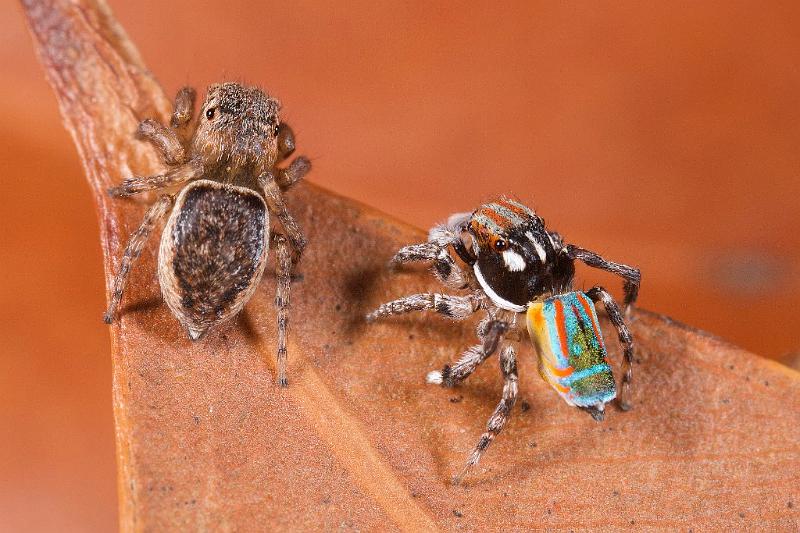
x=514, y=253
x=238, y=126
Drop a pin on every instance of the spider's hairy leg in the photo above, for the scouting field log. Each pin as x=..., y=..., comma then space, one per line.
x=165, y=139
x=615, y=316
x=296, y=170
x=276, y=205
x=135, y=244
x=187, y=171
x=183, y=108
x=444, y=266
x=455, y=307
x=631, y=275
x=508, y=367
x=283, y=269
x=426, y=251
x=491, y=333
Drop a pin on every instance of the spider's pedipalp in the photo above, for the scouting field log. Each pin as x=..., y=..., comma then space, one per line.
x=296, y=170
x=183, y=109
x=165, y=139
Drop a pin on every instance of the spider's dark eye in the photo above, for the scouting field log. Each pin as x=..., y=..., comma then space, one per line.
x=210, y=112
x=499, y=245
x=276, y=130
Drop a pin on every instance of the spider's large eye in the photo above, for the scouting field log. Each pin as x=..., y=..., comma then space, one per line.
x=499, y=244
x=210, y=112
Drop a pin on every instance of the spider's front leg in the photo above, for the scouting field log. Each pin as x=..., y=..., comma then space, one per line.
x=508, y=367
x=631, y=275
x=440, y=238
x=181, y=174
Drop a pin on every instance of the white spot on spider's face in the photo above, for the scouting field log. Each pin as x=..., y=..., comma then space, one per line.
x=514, y=261
x=540, y=251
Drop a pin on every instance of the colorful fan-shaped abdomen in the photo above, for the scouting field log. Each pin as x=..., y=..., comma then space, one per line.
x=572, y=356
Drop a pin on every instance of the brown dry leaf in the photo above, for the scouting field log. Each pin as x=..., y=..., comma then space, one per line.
x=206, y=440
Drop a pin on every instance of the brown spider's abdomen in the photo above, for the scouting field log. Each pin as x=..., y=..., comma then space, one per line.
x=213, y=251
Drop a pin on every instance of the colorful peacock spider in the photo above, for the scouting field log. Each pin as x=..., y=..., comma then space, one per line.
x=515, y=265
x=214, y=246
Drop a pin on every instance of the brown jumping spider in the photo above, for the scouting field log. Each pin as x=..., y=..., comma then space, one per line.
x=520, y=274
x=214, y=246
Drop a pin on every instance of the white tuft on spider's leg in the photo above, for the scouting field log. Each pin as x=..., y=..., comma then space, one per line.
x=434, y=377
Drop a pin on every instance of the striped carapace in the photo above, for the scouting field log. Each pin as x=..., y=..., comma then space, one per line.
x=513, y=265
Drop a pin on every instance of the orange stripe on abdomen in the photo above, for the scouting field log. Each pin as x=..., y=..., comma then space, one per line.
x=558, y=372
x=562, y=328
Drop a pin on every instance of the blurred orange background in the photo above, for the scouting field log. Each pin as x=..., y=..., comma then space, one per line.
x=665, y=136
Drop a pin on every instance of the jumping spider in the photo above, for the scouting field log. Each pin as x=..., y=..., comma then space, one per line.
x=515, y=265
x=225, y=184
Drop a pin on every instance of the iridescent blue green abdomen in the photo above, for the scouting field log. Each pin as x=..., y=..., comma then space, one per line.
x=572, y=355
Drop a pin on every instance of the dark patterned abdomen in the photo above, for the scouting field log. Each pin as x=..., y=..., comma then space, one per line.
x=217, y=235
